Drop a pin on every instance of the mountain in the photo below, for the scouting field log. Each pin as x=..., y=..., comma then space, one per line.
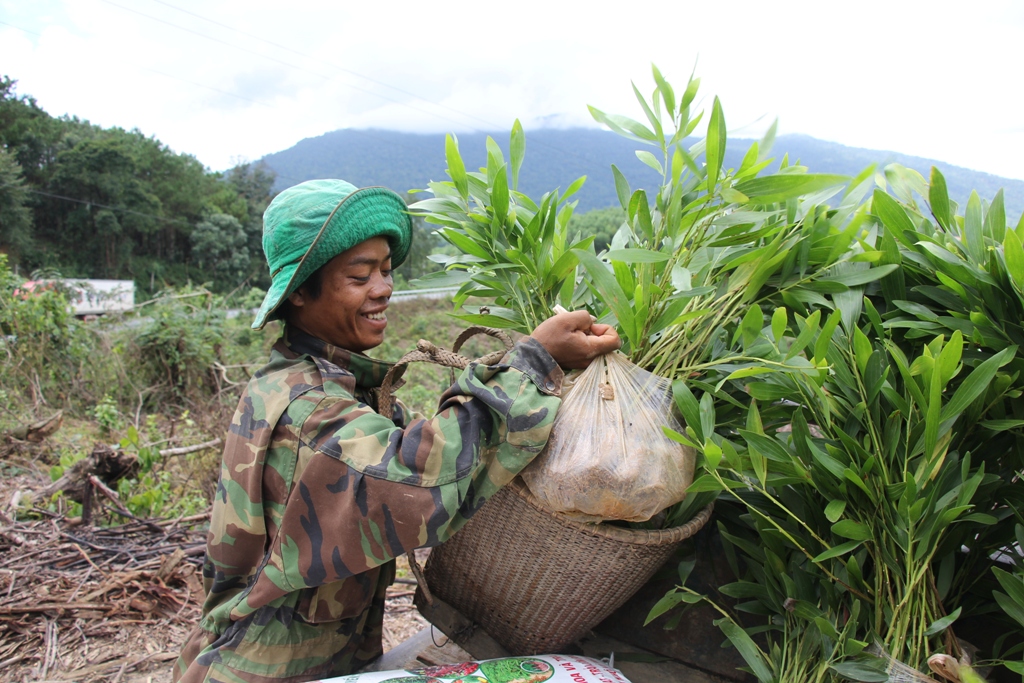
x=556, y=157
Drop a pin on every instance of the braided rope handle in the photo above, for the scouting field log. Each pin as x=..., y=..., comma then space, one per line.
x=426, y=352
x=429, y=353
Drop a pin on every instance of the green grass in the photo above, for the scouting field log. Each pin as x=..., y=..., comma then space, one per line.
x=123, y=403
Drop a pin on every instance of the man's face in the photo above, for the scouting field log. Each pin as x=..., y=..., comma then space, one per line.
x=355, y=292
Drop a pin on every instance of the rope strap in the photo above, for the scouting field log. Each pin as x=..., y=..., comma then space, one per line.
x=426, y=352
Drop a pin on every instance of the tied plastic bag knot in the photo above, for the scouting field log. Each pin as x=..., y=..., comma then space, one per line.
x=608, y=457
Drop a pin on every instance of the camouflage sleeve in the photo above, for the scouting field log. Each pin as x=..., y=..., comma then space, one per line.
x=370, y=491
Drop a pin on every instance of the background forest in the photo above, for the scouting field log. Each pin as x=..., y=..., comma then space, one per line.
x=87, y=201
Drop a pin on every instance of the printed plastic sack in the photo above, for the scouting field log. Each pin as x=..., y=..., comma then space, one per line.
x=536, y=669
x=607, y=457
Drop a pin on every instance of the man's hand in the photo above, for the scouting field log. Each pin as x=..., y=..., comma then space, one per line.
x=573, y=339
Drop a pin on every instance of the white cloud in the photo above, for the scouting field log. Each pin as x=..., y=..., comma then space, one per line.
x=923, y=78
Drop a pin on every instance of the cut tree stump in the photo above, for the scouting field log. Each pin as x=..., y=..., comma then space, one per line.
x=37, y=431
x=104, y=463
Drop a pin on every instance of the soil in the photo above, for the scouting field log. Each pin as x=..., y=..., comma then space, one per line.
x=132, y=611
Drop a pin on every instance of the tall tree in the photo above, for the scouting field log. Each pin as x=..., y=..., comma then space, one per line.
x=15, y=216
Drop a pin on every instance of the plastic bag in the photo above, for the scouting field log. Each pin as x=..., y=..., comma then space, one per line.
x=607, y=457
x=547, y=668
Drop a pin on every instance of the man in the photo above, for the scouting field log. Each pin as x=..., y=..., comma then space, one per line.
x=319, y=493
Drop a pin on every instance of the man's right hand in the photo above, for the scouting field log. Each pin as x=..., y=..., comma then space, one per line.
x=573, y=338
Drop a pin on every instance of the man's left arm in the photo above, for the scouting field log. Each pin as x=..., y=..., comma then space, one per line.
x=371, y=491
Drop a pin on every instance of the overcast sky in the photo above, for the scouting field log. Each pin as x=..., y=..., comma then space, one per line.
x=227, y=80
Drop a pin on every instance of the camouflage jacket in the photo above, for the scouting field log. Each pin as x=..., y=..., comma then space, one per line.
x=318, y=494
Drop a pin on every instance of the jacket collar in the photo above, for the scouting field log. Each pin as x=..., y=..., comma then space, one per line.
x=368, y=372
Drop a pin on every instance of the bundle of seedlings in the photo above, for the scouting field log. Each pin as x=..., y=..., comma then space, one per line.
x=686, y=281
x=875, y=528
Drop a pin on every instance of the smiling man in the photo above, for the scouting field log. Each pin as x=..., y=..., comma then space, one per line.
x=318, y=493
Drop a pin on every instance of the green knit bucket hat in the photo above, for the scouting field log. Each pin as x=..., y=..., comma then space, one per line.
x=309, y=224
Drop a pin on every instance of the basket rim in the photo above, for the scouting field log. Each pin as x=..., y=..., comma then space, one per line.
x=648, y=537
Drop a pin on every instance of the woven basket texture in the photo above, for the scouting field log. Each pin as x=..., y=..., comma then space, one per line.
x=537, y=580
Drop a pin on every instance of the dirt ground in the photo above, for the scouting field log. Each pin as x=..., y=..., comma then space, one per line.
x=113, y=603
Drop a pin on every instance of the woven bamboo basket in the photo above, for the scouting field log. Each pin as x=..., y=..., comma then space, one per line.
x=537, y=580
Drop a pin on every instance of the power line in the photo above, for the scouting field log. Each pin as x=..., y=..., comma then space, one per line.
x=279, y=61
x=333, y=66
x=325, y=62
x=159, y=73
x=22, y=29
x=287, y=63
x=215, y=40
x=92, y=203
x=208, y=87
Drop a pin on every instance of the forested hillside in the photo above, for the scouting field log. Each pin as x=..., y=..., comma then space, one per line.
x=554, y=158
x=86, y=201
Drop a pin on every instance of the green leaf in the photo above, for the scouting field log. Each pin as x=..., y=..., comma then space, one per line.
x=949, y=358
x=654, y=119
x=678, y=437
x=705, y=482
x=780, y=187
x=688, y=407
x=707, y=415
x=763, y=391
x=667, y=94
x=456, y=168
x=750, y=326
x=893, y=216
x=643, y=213
x=623, y=125
x=712, y=454
x=767, y=141
x=749, y=372
x=466, y=244
x=859, y=670
x=1013, y=585
x=611, y=293
x=1015, y=667
x=637, y=256
x=734, y=197
x=621, y=187
x=747, y=648
x=974, y=228
x=825, y=337
x=517, y=150
x=862, y=349
x=976, y=383
x=669, y=601
x=769, y=446
x=834, y=510
x=838, y=550
x=685, y=569
x=938, y=197
x=780, y=318
x=1002, y=425
x=807, y=331
x=1013, y=253
x=715, y=150
x=573, y=188
x=499, y=194
x=690, y=92
x=848, y=528
x=861, y=277
x=1012, y=608
x=995, y=218
x=940, y=625
x=650, y=160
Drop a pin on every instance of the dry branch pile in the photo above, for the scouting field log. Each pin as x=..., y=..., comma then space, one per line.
x=90, y=603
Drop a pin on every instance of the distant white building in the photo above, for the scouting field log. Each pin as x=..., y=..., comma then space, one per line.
x=90, y=297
